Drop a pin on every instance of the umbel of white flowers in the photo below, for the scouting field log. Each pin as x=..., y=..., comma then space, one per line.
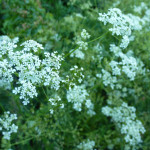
x=31, y=71
x=82, y=45
x=122, y=24
x=86, y=145
x=125, y=118
x=78, y=96
x=6, y=125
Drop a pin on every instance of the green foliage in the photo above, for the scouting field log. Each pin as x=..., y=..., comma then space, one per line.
x=56, y=24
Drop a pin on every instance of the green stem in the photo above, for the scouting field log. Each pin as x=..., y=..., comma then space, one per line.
x=25, y=140
x=71, y=52
x=22, y=141
x=45, y=93
x=87, y=42
x=98, y=38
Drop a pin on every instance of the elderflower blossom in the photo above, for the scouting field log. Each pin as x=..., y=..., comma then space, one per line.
x=86, y=145
x=31, y=70
x=78, y=95
x=6, y=125
x=125, y=118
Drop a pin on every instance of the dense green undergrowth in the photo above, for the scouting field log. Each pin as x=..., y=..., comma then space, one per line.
x=76, y=31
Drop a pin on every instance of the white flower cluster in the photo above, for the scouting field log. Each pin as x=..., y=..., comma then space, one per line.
x=139, y=9
x=77, y=53
x=55, y=102
x=78, y=95
x=86, y=145
x=82, y=45
x=98, y=49
x=84, y=34
x=6, y=125
x=143, y=9
x=77, y=74
x=30, y=70
x=6, y=74
x=128, y=64
x=31, y=45
x=125, y=118
x=122, y=24
x=125, y=42
x=107, y=78
x=119, y=93
x=6, y=44
x=6, y=68
x=115, y=49
x=115, y=69
x=146, y=17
